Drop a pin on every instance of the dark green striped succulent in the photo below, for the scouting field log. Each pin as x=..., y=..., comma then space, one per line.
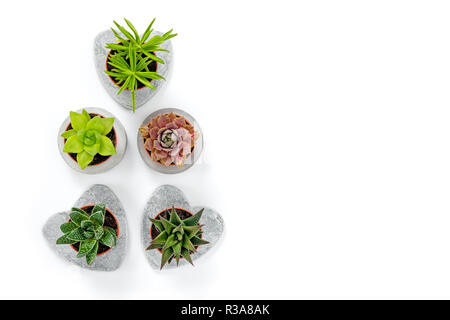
x=89, y=231
x=177, y=237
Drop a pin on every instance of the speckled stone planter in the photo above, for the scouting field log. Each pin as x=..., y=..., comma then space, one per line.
x=173, y=168
x=165, y=197
x=124, y=98
x=112, y=161
x=110, y=260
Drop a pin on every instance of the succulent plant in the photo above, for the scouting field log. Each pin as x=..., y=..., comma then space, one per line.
x=88, y=137
x=177, y=237
x=89, y=231
x=132, y=55
x=170, y=138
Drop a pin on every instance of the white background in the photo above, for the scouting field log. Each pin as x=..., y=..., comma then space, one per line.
x=327, y=146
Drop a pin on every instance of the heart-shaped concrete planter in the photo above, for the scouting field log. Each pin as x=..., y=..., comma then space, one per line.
x=164, y=197
x=111, y=259
x=111, y=161
x=196, y=152
x=124, y=98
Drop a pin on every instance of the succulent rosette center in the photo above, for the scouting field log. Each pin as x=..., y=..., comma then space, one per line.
x=168, y=138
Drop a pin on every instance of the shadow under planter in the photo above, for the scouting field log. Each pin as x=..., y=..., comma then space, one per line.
x=107, y=259
x=195, y=152
x=100, y=164
x=166, y=197
x=143, y=94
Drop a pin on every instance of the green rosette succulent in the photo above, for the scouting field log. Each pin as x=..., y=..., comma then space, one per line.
x=178, y=237
x=88, y=137
x=89, y=231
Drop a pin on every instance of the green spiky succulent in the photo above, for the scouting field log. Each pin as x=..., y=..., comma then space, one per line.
x=88, y=137
x=178, y=237
x=132, y=57
x=89, y=231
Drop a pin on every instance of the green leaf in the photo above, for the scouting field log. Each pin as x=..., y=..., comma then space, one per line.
x=78, y=120
x=166, y=255
x=65, y=240
x=73, y=145
x=76, y=234
x=125, y=85
x=98, y=217
x=133, y=98
x=107, y=125
x=88, y=234
x=77, y=216
x=178, y=229
x=119, y=37
x=145, y=82
x=109, y=237
x=86, y=114
x=106, y=147
x=196, y=241
x=154, y=246
x=93, y=149
x=92, y=254
x=125, y=32
x=151, y=75
x=148, y=31
x=194, y=220
x=188, y=244
x=99, y=232
x=153, y=57
x=86, y=224
x=191, y=231
x=158, y=224
x=85, y=247
x=174, y=218
x=161, y=238
x=187, y=255
x=84, y=158
x=168, y=226
x=96, y=124
x=132, y=57
x=171, y=241
x=132, y=29
x=99, y=207
x=177, y=252
x=68, y=227
x=67, y=134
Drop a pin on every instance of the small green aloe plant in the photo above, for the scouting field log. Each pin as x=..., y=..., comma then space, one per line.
x=89, y=231
x=178, y=237
x=132, y=57
x=88, y=137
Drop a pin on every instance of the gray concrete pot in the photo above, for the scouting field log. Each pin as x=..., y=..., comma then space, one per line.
x=142, y=95
x=112, y=161
x=171, y=169
x=110, y=260
x=165, y=197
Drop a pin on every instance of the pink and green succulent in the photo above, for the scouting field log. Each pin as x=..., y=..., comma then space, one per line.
x=87, y=137
x=169, y=138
